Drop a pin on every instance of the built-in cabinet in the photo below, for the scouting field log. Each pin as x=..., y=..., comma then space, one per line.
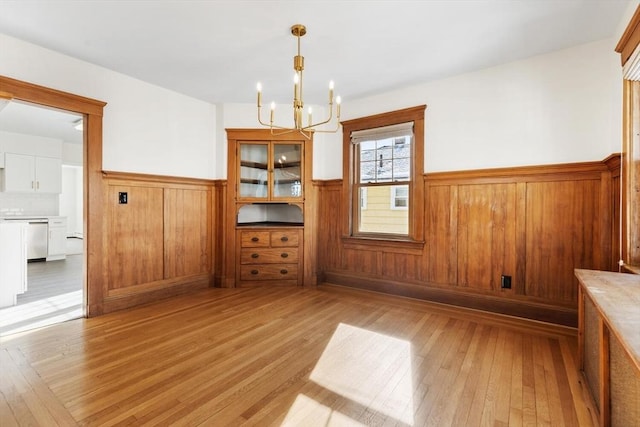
x=13, y=262
x=269, y=212
x=57, y=239
x=27, y=173
x=609, y=344
x=270, y=171
x=270, y=256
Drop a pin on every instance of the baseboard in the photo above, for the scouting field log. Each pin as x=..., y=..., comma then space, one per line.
x=512, y=307
x=115, y=303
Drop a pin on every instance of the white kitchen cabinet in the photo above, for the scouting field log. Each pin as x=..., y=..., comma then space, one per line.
x=57, y=247
x=25, y=173
x=13, y=262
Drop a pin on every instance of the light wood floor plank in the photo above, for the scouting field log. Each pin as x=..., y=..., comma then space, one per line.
x=302, y=356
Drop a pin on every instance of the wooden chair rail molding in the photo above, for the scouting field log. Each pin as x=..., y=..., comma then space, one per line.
x=163, y=179
x=534, y=223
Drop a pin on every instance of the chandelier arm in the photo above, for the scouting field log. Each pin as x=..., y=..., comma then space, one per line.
x=310, y=126
x=260, y=117
x=289, y=130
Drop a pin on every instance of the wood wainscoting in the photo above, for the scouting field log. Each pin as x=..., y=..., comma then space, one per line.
x=161, y=242
x=535, y=224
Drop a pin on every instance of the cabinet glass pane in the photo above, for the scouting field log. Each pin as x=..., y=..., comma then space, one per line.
x=253, y=171
x=287, y=179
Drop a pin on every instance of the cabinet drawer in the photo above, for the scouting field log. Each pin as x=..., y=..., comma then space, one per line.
x=255, y=239
x=269, y=272
x=269, y=256
x=284, y=238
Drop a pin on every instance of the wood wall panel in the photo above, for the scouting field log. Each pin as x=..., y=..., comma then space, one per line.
x=359, y=261
x=161, y=243
x=441, y=234
x=134, y=248
x=186, y=236
x=535, y=224
x=486, y=235
x=328, y=233
x=401, y=266
x=562, y=234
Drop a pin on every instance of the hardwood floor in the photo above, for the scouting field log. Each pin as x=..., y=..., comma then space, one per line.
x=293, y=356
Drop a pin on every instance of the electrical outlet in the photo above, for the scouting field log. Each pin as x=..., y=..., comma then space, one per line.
x=122, y=198
x=506, y=282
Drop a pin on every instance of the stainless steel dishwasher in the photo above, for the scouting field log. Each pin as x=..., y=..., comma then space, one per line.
x=37, y=237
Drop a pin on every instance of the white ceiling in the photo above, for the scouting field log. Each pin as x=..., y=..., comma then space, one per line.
x=217, y=50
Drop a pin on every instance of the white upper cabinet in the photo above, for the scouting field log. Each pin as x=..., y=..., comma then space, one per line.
x=25, y=173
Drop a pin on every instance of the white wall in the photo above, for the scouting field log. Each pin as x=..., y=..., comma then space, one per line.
x=71, y=199
x=554, y=108
x=559, y=107
x=147, y=129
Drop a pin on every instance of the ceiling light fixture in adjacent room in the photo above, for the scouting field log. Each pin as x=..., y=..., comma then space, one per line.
x=298, y=31
x=77, y=125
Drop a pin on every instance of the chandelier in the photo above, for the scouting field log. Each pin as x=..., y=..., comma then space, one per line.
x=298, y=31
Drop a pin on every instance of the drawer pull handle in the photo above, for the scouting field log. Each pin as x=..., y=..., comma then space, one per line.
x=284, y=238
x=283, y=271
x=254, y=272
x=254, y=239
x=284, y=255
x=254, y=256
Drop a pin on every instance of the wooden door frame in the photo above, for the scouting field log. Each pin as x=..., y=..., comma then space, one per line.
x=93, y=202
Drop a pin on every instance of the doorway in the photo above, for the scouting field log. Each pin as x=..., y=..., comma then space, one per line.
x=93, y=200
x=55, y=289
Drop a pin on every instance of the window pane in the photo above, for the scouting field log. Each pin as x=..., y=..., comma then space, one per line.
x=286, y=170
x=400, y=197
x=253, y=170
x=381, y=216
x=386, y=160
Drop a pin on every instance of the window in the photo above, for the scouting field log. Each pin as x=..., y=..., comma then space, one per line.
x=400, y=197
x=385, y=161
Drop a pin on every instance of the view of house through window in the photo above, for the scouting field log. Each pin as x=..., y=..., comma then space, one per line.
x=383, y=158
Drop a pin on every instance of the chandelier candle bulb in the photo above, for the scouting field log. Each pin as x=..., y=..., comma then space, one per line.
x=296, y=87
x=331, y=92
x=338, y=101
x=273, y=107
x=259, y=88
x=309, y=120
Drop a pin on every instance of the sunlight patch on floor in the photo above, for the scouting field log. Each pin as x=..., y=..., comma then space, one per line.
x=369, y=368
x=309, y=413
x=41, y=313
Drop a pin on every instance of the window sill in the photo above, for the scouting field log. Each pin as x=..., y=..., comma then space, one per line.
x=404, y=246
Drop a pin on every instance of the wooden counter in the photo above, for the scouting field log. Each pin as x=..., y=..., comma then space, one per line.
x=609, y=343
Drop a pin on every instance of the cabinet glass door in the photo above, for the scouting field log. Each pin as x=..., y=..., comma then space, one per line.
x=287, y=173
x=254, y=173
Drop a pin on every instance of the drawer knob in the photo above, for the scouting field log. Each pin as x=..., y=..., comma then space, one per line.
x=254, y=256
x=284, y=238
x=283, y=271
x=284, y=255
x=254, y=239
x=254, y=272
